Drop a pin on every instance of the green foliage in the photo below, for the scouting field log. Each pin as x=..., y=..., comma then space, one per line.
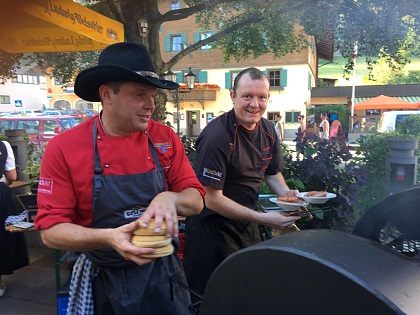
x=326, y=166
x=190, y=149
x=64, y=65
x=35, y=154
x=8, y=64
x=410, y=126
x=411, y=77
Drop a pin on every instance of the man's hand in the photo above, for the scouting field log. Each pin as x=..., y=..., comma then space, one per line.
x=121, y=241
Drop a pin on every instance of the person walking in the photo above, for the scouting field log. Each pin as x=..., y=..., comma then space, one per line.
x=300, y=135
x=13, y=251
x=279, y=129
x=235, y=153
x=324, y=127
x=336, y=130
x=101, y=177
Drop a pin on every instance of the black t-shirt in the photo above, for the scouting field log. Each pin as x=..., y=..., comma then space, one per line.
x=234, y=159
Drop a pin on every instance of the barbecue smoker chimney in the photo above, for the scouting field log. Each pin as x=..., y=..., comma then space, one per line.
x=401, y=165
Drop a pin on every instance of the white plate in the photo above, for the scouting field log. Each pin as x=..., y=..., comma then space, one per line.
x=316, y=200
x=287, y=206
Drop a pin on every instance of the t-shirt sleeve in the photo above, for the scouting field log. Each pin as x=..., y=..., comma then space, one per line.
x=213, y=155
x=10, y=161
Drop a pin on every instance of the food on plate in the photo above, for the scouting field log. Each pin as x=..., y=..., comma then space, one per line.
x=148, y=237
x=316, y=194
x=291, y=199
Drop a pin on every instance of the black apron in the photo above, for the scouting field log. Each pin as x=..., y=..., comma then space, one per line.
x=122, y=287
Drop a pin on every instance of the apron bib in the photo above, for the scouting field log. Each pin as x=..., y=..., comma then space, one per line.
x=121, y=284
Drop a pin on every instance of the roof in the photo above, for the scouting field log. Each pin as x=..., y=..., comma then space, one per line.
x=385, y=102
x=367, y=90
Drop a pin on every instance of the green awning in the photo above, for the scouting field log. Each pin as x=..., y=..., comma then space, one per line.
x=412, y=99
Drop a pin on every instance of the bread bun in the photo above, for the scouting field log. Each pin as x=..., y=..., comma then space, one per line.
x=151, y=244
x=161, y=252
x=148, y=237
x=150, y=228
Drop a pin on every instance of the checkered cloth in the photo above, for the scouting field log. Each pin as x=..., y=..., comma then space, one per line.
x=12, y=219
x=81, y=297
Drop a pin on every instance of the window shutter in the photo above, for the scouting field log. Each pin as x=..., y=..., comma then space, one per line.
x=179, y=77
x=228, y=84
x=202, y=77
x=183, y=40
x=283, y=78
x=196, y=37
x=168, y=42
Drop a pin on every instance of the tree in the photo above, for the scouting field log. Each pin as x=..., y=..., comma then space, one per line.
x=252, y=28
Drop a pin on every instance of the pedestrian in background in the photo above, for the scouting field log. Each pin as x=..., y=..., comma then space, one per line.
x=300, y=135
x=279, y=129
x=324, y=127
x=336, y=130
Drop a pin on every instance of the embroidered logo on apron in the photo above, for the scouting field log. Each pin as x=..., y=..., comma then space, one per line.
x=134, y=213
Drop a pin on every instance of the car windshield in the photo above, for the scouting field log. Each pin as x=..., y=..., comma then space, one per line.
x=68, y=123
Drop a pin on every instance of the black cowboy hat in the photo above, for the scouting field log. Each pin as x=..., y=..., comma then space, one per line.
x=119, y=62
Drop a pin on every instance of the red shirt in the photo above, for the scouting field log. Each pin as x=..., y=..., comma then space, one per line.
x=65, y=187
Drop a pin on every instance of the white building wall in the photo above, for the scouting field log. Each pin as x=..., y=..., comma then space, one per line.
x=33, y=96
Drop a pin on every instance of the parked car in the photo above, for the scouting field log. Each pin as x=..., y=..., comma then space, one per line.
x=26, y=112
x=39, y=129
x=91, y=112
x=76, y=113
x=390, y=120
x=53, y=112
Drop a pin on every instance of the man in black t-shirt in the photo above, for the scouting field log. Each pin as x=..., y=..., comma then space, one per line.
x=235, y=153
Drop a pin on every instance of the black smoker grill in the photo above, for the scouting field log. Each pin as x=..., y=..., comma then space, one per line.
x=314, y=272
x=375, y=270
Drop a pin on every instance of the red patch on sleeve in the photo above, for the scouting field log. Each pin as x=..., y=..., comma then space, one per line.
x=45, y=185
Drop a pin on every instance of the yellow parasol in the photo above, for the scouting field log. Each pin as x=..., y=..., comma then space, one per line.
x=53, y=26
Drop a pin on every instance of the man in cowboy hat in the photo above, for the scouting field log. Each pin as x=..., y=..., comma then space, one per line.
x=99, y=177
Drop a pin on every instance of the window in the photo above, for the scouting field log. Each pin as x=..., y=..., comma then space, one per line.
x=232, y=78
x=176, y=43
x=175, y=4
x=31, y=126
x=49, y=126
x=272, y=116
x=175, y=114
x=57, y=81
x=204, y=35
x=26, y=79
x=274, y=77
x=4, y=99
x=292, y=117
x=277, y=78
x=373, y=112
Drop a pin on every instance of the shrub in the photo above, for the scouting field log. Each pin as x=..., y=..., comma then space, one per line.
x=326, y=166
x=371, y=158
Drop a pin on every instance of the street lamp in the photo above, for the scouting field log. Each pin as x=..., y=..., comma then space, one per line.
x=190, y=77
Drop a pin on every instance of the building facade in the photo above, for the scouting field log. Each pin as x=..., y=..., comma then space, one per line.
x=27, y=91
x=291, y=79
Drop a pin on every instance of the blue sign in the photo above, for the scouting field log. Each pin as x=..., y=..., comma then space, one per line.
x=18, y=103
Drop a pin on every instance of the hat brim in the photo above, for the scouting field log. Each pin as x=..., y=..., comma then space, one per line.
x=88, y=81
